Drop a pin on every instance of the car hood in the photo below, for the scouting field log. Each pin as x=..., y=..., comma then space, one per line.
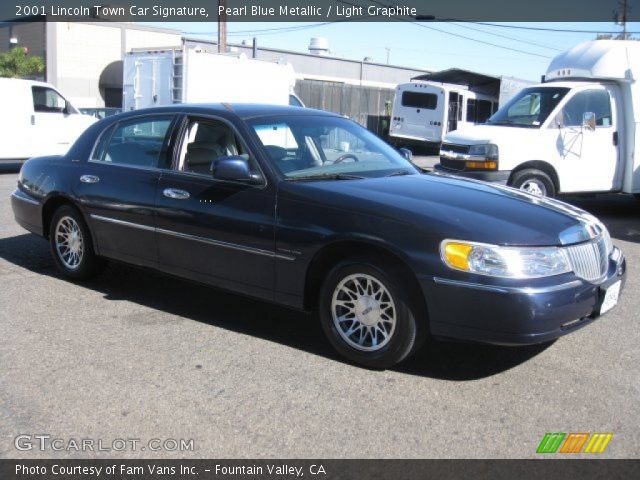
x=452, y=207
x=482, y=134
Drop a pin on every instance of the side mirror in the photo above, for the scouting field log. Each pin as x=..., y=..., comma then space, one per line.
x=406, y=153
x=589, y=121
x=234, y=168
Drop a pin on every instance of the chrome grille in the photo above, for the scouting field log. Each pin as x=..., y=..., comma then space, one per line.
x=589, y=260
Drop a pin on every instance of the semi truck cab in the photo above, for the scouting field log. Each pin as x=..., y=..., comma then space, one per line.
x=574, y=133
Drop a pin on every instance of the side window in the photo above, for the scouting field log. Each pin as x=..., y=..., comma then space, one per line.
x=596, y=101
x=419, y=100
x=484, y=111
x=471, y=110
x=137, y=142
x=206, y=141
x=47, y=100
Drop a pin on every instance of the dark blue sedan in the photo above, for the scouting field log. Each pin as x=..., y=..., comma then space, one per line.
x=310, y=210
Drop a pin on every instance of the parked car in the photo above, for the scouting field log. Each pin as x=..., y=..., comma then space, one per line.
x=101, y=113
x=36, y=119
x=308, y=209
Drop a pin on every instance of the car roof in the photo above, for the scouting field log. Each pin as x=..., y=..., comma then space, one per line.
x=242, y=110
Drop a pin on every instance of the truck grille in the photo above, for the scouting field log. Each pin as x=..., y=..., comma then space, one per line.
x=450, y=164
x=452, y=147
x=589, y=260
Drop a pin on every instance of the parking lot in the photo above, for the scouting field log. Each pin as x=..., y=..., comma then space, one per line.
x=138, y=355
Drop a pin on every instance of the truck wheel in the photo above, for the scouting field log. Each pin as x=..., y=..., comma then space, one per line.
x=535, y=182
x=71, y=245
x=368, y=316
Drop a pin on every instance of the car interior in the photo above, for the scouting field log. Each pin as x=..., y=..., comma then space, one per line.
x=205, y=143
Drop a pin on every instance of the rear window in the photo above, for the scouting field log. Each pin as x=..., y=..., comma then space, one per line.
x=420, y=100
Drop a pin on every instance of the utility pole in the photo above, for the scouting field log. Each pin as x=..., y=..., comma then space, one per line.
x=620, y=18
x=222, y=28
x=388, y=53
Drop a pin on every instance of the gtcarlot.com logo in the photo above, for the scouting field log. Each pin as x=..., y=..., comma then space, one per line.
x=44, y=442
x=574, y=443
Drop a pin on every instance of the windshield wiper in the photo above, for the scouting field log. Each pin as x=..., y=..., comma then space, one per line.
x=324, y=176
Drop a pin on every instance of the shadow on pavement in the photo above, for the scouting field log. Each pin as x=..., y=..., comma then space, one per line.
x=440, y=360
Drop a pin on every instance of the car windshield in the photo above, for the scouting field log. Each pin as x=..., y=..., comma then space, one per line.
x=529, y=108
x=324, y=147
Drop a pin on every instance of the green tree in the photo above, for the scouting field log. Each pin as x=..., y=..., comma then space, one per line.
x=16, y=63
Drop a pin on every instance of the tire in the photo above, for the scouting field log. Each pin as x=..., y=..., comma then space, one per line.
x=71, y=245
x=399, y=327
x=535, y=182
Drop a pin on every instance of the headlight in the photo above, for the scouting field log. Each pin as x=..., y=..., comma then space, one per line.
x=509, y=262
x=488, y=151
x=607, y=239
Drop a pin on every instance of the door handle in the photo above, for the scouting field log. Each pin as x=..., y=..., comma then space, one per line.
x=175, y=193
x=89, y=179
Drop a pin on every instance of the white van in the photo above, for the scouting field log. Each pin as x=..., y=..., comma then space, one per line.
x=576, y=132
x=423, y=111
x=36, y=119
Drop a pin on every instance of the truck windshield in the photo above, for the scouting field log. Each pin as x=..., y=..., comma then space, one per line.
x=529, y=108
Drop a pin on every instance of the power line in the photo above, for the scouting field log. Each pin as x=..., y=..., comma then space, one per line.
x=529, y=42
x=543, y=29
x=457, y=34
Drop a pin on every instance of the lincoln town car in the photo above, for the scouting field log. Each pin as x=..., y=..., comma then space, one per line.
x=308, y=209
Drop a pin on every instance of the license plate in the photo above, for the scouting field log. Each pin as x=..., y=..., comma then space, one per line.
x=610, y=299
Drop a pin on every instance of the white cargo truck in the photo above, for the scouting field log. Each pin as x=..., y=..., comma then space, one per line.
x=35, y=119
x=576, y=132
x=436, y=103
x=190, y=74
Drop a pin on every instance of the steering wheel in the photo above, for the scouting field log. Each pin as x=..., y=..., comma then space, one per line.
x=344, y=157
x=275, y=152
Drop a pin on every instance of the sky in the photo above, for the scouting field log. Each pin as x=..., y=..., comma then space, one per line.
x=430, y=45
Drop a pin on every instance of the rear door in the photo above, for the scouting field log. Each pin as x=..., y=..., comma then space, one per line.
x=117, y=187
x=420, y=114
x=218, y=232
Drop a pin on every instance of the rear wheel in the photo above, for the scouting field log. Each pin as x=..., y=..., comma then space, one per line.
x=367, y=314
x=535, y=182
x=71, y=244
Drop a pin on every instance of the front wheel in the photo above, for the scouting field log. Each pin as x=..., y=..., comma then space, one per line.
x=368, y=315
x=71, y=245
x=535, y=182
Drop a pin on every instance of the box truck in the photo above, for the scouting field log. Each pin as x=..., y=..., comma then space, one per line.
x=190, y=74
x=36, y=119
x=576, y=132
x=436, y=103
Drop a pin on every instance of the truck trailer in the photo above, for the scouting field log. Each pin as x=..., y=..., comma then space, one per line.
x=189, y=74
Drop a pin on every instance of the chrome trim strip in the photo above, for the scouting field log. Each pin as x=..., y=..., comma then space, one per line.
x=210, y=241
x=503, y=289
x=16, y=194
x=124, y=223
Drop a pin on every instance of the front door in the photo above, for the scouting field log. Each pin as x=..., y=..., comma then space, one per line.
x=454, y=111
x=117, y=187
x=222, y=233
x=589, y=156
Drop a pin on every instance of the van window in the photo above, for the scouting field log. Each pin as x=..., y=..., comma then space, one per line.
x=478, y=111
x=47, y=100
x=419, y=100
x=137, y=142
x=596, y=101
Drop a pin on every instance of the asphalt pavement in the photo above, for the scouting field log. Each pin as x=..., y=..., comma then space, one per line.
x=135, y=355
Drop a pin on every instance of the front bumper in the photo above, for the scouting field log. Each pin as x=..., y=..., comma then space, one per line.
x=495, y=176
x=514, y=315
